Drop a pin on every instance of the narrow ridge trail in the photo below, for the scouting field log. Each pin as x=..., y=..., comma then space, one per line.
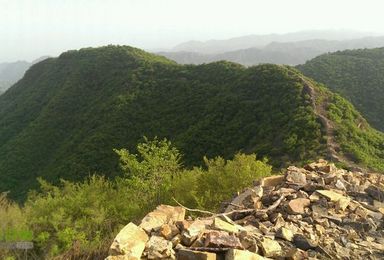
x=333, y=147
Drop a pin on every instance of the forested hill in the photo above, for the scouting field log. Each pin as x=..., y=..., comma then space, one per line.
x=67, y=114
x=356, y=74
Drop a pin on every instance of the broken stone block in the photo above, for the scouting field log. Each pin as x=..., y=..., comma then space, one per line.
x=285, y=233
x=258, y=191
x=199, y=242
x=333, y=226
x=378, y=204
x=129, y=241
x=182, y=225
x=272, y=180
x=221, y=239
x=186, y=254
x=157, y=248
x=120, y=257
x=361, y=212
x=194, y=230
x=319, y=229
x=270, y=248
x=296, y=254
x=320, y=165
x=340, y=185
x=343, y=203
x=166, y=231
x=314, y=197
x=319, y=210
x=153, y=221
x=224, y=226
x=176, y=240
x=297, y=206
x=331, y=195
x=243, y=199
x=174, y=214
x=295, y=177
x=235, y=254
x=163, y=214
x=249, y=243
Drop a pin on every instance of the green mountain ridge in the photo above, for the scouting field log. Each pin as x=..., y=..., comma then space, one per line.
x=357, y=75
x=67, y=114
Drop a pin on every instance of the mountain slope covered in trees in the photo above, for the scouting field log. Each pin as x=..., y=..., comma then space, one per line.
x=65, y=117
x=357, y=75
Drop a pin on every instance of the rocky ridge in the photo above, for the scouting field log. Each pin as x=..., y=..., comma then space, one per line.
x=315, y=212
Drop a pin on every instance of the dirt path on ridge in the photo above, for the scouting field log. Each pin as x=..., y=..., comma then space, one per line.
x=333, y=147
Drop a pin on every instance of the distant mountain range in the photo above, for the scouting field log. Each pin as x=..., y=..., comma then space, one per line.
x=11, y=72
x=260, y=41
x=290, y=49
x=289, y=53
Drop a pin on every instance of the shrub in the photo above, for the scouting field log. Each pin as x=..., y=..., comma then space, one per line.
x=79, y=220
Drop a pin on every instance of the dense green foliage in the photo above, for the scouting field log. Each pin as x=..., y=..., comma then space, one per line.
x=80, y=219
x=358, y=140
x=65, y=117
x=357, y=75
x=13, y=227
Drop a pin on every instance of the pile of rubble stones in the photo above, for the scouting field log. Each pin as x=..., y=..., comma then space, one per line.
x=315, y=212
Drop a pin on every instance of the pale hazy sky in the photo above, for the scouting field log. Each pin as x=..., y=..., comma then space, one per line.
x=32, y=28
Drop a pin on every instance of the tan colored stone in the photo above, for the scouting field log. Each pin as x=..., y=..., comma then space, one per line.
x=183, y=225
x=120, y=257
x=297, y=254
x=378, y=204
x=235, y=254
x=294, y=176
x=222, y=239
x=270, y=248
x=297, y=206
x=176, y=240
x=331, y=195
x=320, y=229
x=153, y=221
x=255, y=193
x=174, y=214
x=336, y=225
x=249, y=243
x=194, y=230
x=224, y=226
x=340, y=185
x=343, y=203
x=157, y=247
x=272, y=180
x=314, y=197
x=163, y=214
x=285, y=233
x=362, y=212
x=166, y=231
x=129, y=241
x=186, y=254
